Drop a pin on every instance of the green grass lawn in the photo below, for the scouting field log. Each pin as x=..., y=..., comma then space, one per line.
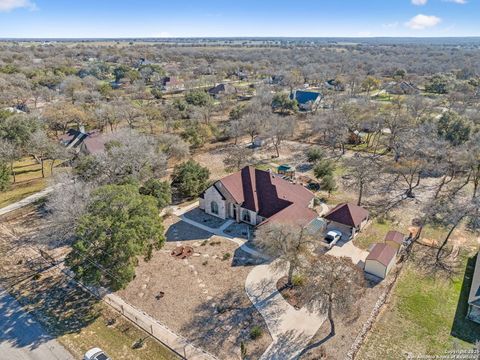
x=374, y=233
x=28, y=180
x=425, y=316
x=116, y=340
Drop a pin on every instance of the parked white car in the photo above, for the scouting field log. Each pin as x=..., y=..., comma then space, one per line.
x=332, y=237
x=95, y=354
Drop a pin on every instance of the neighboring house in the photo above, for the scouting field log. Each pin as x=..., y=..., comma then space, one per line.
x=258, y=197
x=222, y=90
x=401, y=88
x=171, y=83
x=333, y=84
x=380, y=260
x=87, y=143
x=142, y=62
x=241, y=74
x=394, y=239
x=307, y=100
x=15, y=110
x=259, y=141
x=347, y=218
x=474, y=297
x=274, y=79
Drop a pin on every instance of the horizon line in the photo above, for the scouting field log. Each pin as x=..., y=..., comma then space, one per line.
x=237, y=37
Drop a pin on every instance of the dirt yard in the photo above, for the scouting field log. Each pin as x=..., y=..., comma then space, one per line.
x=201, y=297
x=346, y=329
x=69, y=313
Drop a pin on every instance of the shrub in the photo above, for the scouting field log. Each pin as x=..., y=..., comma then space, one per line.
x=256, y=332
x=298, y=280
x=315, y=154
x=227, y=256
x=243, y=350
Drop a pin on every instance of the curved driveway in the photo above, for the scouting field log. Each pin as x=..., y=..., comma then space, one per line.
x=291, y=329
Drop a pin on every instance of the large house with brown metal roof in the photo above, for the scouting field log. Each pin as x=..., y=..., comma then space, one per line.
x=258, y=197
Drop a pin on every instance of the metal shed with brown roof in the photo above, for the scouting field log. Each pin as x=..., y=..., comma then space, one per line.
x=394, y=239
x=380, y=260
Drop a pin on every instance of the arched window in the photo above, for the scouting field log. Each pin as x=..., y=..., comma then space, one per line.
x=214, y=207
x=246, y=216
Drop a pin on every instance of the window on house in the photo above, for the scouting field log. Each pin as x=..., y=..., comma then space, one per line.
x=214, y=207
x=246, y=216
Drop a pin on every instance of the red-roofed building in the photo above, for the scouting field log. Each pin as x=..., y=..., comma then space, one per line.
x=258, y=197
x=347, y=218
x=87, y=143
x=380, y=260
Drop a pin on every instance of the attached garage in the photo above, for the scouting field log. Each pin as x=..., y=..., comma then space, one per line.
x=380, y=260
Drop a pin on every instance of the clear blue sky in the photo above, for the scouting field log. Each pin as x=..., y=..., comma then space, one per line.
x=196, y=18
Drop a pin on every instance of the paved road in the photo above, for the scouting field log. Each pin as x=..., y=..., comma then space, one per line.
x=291, y=329
x=22, y=338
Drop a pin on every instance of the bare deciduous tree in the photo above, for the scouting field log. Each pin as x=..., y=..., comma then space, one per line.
x=287, y=243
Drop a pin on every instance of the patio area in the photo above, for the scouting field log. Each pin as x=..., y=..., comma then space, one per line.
x=201, y=217
x=240, y=230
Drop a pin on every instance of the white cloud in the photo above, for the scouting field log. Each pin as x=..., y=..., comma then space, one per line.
x=8, y=5
x=462, y=2
x=421, y=22
x=419, y=2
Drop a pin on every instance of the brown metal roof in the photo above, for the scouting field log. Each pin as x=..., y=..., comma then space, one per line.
x=395, y=236
x=347, y=214
x=270, y=196
x=383, y=253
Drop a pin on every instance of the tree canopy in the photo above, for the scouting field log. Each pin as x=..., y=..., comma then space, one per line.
x=119, y=225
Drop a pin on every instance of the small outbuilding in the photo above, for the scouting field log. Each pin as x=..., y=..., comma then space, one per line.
x=380, y=260
x=286, y=171
x=347, y=218
x=222, y=90
x=394, y=239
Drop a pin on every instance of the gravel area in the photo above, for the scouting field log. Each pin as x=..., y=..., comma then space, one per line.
x=203, y=296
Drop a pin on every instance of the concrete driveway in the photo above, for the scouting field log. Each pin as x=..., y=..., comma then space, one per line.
x=291, y=329
x=347, y=249
x=22, y=338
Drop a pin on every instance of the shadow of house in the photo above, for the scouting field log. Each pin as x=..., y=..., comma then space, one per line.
x=182, y=231
x=462, y=327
